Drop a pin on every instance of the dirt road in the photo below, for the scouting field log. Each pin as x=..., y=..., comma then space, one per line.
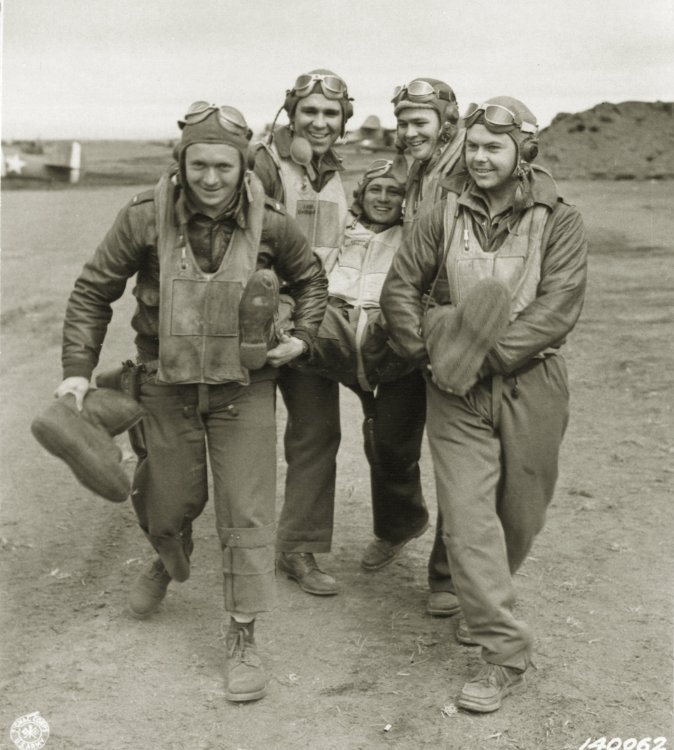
x=366, y=669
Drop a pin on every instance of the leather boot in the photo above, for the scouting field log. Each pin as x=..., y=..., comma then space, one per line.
x=442, y=604
x=485, y=692
x=149, y=590
x=380, y=552
x=303, y=568
x=245, y=678
x=463, y=635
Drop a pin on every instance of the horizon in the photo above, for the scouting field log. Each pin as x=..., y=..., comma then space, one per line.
x=260, y=131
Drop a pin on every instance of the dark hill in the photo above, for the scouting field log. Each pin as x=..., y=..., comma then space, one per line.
x=627, y=141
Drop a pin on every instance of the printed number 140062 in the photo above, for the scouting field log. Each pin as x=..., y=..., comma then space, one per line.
x=632, y=743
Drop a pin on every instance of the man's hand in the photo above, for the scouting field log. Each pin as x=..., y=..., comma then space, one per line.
x=447, y=389
x=78, y=386
x=286, y=350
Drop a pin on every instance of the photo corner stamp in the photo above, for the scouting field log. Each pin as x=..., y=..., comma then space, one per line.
x=29, y=732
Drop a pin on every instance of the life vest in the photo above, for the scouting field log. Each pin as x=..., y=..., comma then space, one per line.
x=427, y=190
x=362, y=264
x=321, y=215
x=517, y=262
x=198, y=311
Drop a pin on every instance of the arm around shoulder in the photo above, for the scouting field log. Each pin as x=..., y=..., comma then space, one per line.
x=414, y=267
x=300, y=269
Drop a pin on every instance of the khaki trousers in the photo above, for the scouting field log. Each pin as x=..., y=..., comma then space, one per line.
x=495, y=455
x=232, y=427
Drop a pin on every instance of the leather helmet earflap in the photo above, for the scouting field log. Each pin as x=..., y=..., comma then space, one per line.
x=452, y=112
x=529, y=149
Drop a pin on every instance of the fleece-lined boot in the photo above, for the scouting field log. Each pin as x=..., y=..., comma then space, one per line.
x=257, y=310
x=84, y=439
x=459, y=338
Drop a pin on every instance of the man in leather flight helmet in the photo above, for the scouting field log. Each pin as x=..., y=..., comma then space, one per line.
x=495, y=446
x=205, y=246
x=299, y=167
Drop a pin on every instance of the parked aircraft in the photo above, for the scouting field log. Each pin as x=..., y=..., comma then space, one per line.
x=31, y=161
x=371, y=136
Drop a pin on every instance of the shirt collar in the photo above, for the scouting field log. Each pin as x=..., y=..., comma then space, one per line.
x=186, y=210
x=543, y=190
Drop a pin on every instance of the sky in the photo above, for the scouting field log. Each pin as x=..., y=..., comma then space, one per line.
x=129, y=68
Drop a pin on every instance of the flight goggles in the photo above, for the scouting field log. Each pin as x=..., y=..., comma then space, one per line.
x=229, y=118
x=378, y=168
x=382, y=168
x=333, y=87
x=498, y=117
x=418, y=91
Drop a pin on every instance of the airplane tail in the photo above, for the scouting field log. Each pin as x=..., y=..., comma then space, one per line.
x=75, y=162
x=68, y=160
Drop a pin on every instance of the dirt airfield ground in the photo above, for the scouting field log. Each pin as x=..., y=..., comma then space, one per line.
x=366, y=669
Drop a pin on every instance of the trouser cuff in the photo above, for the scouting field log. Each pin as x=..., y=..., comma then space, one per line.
x=248, y=557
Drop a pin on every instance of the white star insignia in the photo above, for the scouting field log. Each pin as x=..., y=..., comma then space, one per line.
x=14, y=163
